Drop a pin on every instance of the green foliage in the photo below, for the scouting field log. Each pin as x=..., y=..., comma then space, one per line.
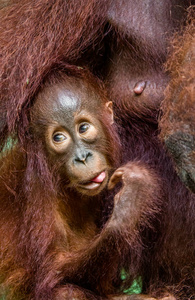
x=136, y=287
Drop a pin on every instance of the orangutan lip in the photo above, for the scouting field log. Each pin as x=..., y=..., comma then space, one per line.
x=95, y=182
x=99, y=178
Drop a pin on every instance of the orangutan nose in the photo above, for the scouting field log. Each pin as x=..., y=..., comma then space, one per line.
x=82, y=156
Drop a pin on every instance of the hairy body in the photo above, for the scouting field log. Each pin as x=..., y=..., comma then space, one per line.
x=126, y=44
x=58, y=187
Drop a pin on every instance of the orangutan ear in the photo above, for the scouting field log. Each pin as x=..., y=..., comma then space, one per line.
x=109, y=108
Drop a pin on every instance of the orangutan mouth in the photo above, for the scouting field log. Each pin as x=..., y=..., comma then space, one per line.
x=94, y=182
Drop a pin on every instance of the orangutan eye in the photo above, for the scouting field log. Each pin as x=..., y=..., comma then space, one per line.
x=83, y=128
x=59, y=137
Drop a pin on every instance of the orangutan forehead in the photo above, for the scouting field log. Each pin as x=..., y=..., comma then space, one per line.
x=66, y=100
x=61, y=101
x=68, y=96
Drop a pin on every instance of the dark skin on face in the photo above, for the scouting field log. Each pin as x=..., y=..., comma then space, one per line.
x=73, y=136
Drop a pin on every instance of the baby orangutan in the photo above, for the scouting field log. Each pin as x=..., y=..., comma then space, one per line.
x=70, y=219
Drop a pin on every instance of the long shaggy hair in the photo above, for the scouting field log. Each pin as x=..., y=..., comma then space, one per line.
x=36, y=37
x=38, y=41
